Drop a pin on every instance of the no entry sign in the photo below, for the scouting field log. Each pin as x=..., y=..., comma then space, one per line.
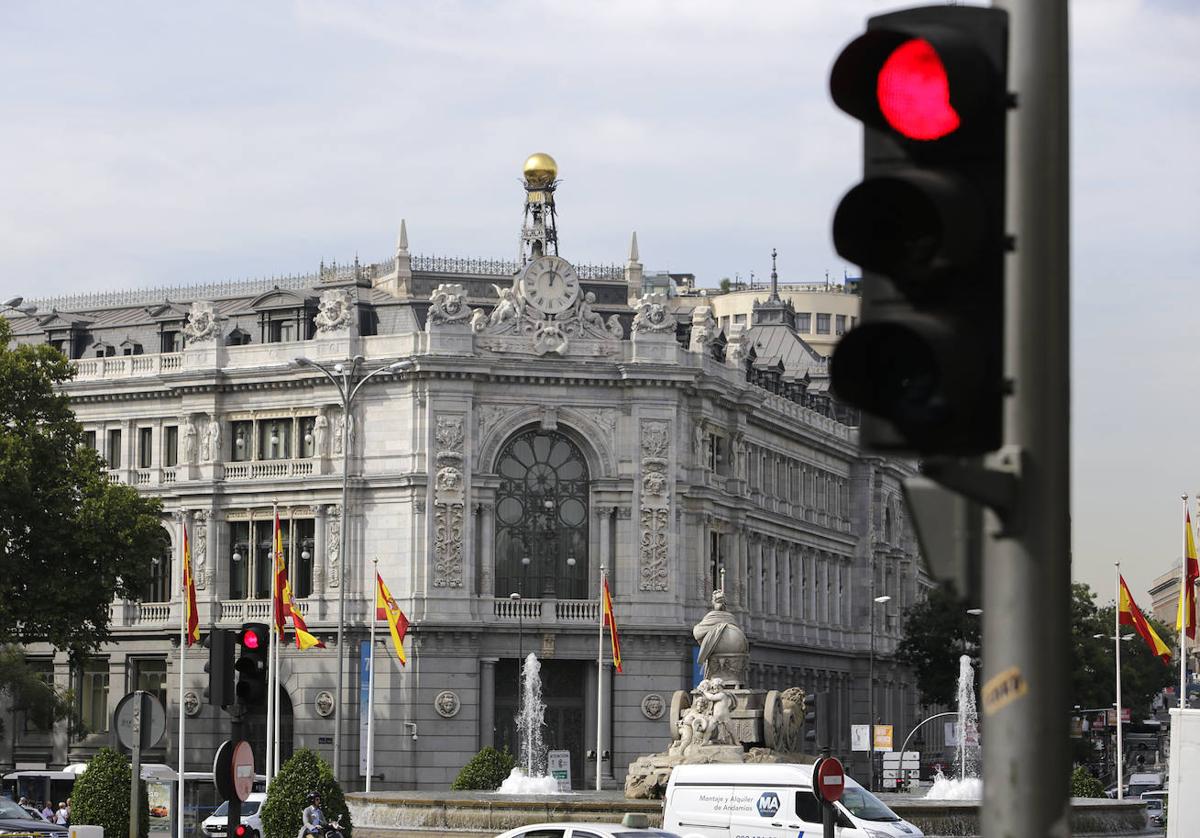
x=829, y=780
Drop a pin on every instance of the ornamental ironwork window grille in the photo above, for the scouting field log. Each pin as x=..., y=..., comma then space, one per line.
x=542, y=517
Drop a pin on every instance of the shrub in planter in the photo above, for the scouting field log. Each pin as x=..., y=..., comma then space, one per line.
x=100, y=796
x=282, y=814
x=485, y=771
x=1083, y=784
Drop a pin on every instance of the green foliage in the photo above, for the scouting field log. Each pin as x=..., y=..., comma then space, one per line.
x=1083, y=784
x=725, y=285
x=28, y=691
x=100, y=796
x=485, y=771
x=1093, y=660
x=70, y=541
x=937, y=631
x=304, y=772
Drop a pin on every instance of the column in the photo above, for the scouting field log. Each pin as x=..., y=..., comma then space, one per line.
x=487, y=702
x=606, y=738
x=589, y=724
x=603, y=518
x=487, y=550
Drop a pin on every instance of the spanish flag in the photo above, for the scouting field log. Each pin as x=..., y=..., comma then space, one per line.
x=387, y=609
x=1131, y=615
x=304, y=639
x=1186, y=619
x=189, y=593
x=611, y=621
x=279, y=606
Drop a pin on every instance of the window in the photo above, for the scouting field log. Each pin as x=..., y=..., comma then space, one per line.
x=158, y=586
x=237, y=337
x=172, y=340
x=93, y=695
x=150, y=674
x=251, y=560
x=716, y=559
x=145, y=447
x=822, y=324
x=275, y=439
x=282, y=331
x=89, y=439
x=131, y=349
x=739, y=318
x=104, y=350
x=170, y=445
x=243, y=441
x=308, y=447
x=840, y=324
x=37, y=713
x=112, y=452
x=542, y=517
x=804, y=322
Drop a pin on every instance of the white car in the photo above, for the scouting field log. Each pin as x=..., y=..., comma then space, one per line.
x=633, y=825
x=214, y=825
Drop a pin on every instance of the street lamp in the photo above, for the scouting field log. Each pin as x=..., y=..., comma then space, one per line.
x=348, y=385
x=14, y=304
x=516, y=599
x=875, y=600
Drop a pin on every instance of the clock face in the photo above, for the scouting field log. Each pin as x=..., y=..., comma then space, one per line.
x=550, y=284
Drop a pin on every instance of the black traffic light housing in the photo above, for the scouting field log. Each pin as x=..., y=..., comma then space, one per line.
x=926, y=224
x=816, y=721
x=251, y=666
x=219, y=668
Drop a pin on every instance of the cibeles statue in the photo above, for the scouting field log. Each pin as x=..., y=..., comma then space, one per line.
x=724, y=650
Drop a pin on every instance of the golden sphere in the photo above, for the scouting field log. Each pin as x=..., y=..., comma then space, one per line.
x=540, y=170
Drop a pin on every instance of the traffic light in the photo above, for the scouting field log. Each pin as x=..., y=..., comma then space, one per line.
x=816, y=721
x=219, y=690
x=926, y=224
x=251, y=665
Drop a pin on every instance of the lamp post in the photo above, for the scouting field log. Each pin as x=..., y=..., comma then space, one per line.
x=875, y=600
x=348, y=384
x=14, y=304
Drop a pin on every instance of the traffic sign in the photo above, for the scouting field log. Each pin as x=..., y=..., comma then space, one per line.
x=140, y=714
x=829, y=780
x=233, y=770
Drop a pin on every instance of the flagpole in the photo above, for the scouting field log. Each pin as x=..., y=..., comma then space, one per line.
x=182, y=660
x=371, y=683
x=600, y=684
x=278, y=714
x=1181, y=623
x=279, y=646
x=271, y=669
x=1117, y=641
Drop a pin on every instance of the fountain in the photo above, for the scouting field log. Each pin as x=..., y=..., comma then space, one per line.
x=966, y=785
x=529, y=776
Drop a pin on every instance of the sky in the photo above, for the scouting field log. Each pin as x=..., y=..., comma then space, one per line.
x=151, y=143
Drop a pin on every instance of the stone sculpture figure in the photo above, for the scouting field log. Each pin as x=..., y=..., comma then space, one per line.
x=722, y=701
x=189, y=441
x=213, y=440
x=724, y=651
x=320, y=434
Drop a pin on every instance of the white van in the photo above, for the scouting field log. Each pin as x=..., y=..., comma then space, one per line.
x=772, y=800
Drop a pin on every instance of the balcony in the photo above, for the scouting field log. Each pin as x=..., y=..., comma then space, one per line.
x=269, y=469
x=539, y=610
x=127, y=366
x=252, y=610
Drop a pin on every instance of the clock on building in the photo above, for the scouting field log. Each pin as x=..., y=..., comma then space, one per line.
x=550, y=284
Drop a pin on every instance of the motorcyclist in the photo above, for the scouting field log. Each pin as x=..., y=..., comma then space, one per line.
x=314, y=818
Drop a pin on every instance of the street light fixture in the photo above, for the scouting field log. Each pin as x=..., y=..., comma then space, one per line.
x=348, y=385
x=876, y=600
x=14, y=304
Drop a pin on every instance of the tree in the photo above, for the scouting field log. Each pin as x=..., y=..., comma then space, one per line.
x=100, y=797
x=30, y=692
x=725, y=285
x=305, y=771
x=70, y=541
x=937, y=631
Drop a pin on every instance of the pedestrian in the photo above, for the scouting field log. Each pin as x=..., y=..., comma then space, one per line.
x=60, y=817
x=47, y=811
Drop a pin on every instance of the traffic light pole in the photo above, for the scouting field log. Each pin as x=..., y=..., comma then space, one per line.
x=1027, y=551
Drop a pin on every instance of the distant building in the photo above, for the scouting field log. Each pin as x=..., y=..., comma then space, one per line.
x=546, y=428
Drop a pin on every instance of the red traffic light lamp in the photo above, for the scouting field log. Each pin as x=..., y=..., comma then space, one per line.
x=926, y=224
x=251, y=665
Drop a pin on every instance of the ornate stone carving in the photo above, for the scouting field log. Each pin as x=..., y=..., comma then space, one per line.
x=704, y=329
x=320, y=434
x=191, y=703
x=550, y=334
x=448, y=305
x=200, y=550
x=653, y=706
x=652, y=315
x=446, y=704
x=201, y=326
x=449, y=491
x=210, y=443
x=189, y=440
x=324, y=704
x=490, y=415
x=344, y=435
x=724, y=650
x=333, y=545
x=655, y=507
x=334, y=311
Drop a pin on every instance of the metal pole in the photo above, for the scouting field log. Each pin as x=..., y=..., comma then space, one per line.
x=600, y=684
x=339, y=716
x=1183, y=612
x=179, y=701
x=135, y=773
x=1117, y=644
x=871, y=679
x=1027, y=557
x=371, y=694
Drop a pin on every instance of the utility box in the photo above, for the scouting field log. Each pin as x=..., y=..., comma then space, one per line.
x=85, y=831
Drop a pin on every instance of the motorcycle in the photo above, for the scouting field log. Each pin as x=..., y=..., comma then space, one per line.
x=332, y=829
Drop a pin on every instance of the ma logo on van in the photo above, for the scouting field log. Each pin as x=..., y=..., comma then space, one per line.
x=768, y=804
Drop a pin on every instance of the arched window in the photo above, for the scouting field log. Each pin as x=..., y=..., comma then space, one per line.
x=542, y=517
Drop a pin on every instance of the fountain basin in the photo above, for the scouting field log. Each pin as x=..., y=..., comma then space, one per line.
x=412, y=814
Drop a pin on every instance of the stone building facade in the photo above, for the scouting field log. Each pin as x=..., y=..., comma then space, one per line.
x=524, y=448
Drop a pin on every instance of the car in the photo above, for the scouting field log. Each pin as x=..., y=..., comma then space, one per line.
x=159, y=811
x=215, y=824
x=633, y=825
x=13, y=818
